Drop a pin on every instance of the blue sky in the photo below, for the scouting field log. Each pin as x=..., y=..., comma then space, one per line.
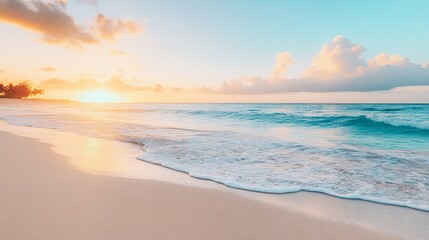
x=236, y=33
x=224, y=39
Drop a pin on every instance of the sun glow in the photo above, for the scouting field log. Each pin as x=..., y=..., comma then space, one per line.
x=100, y=96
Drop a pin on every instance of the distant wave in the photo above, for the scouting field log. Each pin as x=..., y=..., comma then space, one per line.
x=362, y=122
x=374, y=109
x=388, y=124
x=392, y=107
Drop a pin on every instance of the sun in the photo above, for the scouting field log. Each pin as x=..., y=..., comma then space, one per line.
x=99, y=96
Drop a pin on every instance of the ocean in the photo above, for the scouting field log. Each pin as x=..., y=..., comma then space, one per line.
x=373, y=152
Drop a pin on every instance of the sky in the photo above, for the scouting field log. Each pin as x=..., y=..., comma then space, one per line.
x=218, y=51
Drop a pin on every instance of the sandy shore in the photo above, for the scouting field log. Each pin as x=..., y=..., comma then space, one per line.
x=42, y=197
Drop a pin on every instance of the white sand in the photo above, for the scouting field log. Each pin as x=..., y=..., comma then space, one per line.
x=42, y=197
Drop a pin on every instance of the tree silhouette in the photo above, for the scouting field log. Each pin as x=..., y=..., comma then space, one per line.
x=20, y=90
x=2, y=89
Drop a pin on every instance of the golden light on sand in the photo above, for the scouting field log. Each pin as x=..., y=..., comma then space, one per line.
x=100, y=96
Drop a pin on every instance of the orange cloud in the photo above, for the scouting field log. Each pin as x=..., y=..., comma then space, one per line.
x=57, y=27
x=48, y=69
x=48, y=18
x=117, y=52
x=114, y=84
x=117, y=84
x=62, y=2
x=78, y=84
x=111, y=28
x=53, y=83
x=158, y=88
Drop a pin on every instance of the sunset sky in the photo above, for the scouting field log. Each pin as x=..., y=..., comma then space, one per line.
x=218, y=51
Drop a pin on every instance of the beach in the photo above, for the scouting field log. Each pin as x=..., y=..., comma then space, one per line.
x=45, y=195
x=214, y=120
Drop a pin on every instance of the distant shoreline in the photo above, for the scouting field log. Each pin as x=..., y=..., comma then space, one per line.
x=286, y=103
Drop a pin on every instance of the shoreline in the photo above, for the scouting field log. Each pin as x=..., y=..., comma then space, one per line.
x=290, y=192
x=307, y=207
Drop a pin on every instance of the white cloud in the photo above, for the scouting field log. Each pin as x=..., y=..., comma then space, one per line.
x=283, y=60
x=384, y=59
x=339, y=66
x=339, y=58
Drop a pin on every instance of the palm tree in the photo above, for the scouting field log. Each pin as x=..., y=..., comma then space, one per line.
x=2, y=89
x=36, y=91
x=21, y=90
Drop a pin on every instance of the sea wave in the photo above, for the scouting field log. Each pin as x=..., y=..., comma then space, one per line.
x=285, y=190
x=364, y=122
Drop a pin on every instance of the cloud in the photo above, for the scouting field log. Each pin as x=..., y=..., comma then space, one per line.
x=283, y=60
x=116, y=84
x=48, y=69
x=339, y=66
x=78, y=84
x=48, y=18
x=384, y=60
x=158, y=88
x=62, y=2
x=53, y=83
x=336, y=59
x=117, y=52
x=85, y=83
x=111, y=28
x=57, y=27
x=90, y=2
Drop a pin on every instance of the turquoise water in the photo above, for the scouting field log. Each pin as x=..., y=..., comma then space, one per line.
x=374, y=152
